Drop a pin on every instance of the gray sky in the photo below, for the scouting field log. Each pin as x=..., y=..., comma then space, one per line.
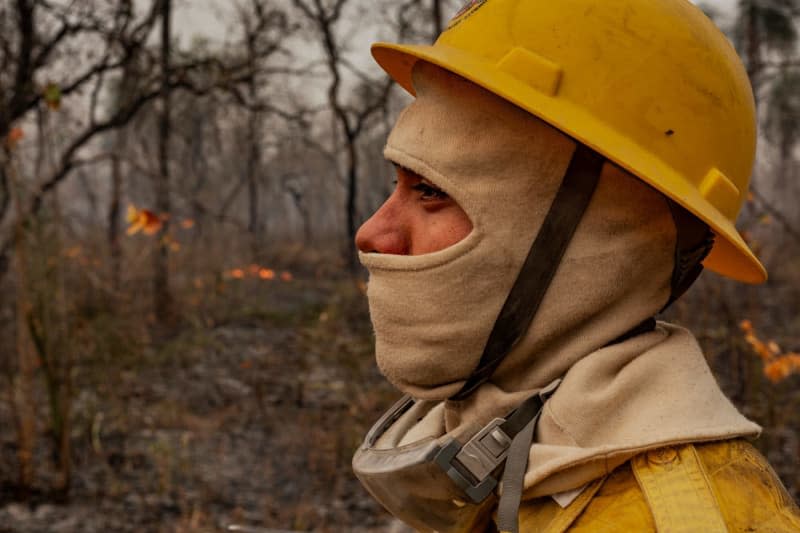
x=210, y=18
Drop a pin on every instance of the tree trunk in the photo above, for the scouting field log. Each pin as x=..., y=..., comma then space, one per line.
x=253, y=159
x=252, y=192
x=162, y=299
x=753, y=45
x=114, y=244
x=438, y=22
x=59, y=354
x=5, y=202
x=23, y=393
x=352, y=197
x=115, y=206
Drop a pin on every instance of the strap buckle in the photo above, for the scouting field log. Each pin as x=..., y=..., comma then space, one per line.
x=470, y=466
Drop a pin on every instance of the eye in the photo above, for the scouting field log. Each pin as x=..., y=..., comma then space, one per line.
x=430, y=192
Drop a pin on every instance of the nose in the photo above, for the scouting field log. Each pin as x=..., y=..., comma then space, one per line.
x=384, y=232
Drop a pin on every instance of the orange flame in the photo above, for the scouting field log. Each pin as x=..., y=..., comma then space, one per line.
x=14, y=136
x=259, y=272
x=777, y=365
x=783, y=367
x=143, y=220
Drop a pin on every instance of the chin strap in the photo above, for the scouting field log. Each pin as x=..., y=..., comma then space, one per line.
x=544, y=257
x=472, y=466
x=694, y=240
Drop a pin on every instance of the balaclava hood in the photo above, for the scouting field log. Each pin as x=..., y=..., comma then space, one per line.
x=433, y=313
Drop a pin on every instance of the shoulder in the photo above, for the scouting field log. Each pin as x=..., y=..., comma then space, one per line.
x=749, y=493
x=719, y=486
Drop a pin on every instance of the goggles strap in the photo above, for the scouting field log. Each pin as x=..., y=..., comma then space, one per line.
x=544, y=256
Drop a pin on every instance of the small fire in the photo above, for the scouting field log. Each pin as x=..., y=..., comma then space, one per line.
x=143, y=220
x=73, y=252
x=150, y=223
x=777, y=365
x=259, y=272
x=14, y=136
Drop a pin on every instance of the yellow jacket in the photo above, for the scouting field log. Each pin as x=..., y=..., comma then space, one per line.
x=704, y=488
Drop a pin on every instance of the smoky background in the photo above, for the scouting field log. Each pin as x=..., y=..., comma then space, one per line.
x=184, y=340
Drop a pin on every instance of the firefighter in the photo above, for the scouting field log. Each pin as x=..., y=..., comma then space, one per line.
x=565, y=172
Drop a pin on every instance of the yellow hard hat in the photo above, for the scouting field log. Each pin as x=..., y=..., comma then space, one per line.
x=652, y=85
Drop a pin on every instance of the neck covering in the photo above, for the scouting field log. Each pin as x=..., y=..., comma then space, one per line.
x=433, y=313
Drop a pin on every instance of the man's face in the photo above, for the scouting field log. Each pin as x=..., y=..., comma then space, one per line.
x=418, y=218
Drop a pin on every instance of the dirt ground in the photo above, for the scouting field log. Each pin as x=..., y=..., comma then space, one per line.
x=251, y=422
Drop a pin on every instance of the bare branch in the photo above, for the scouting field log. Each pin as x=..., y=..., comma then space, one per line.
x=776, y=214
x=23, y=78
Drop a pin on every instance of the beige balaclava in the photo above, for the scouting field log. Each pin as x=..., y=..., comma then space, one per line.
x=433, y=313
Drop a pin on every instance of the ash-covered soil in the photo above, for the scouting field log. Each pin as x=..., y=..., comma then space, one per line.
x=250, y=421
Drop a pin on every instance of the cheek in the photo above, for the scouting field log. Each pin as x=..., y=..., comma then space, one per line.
x=439, y=230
